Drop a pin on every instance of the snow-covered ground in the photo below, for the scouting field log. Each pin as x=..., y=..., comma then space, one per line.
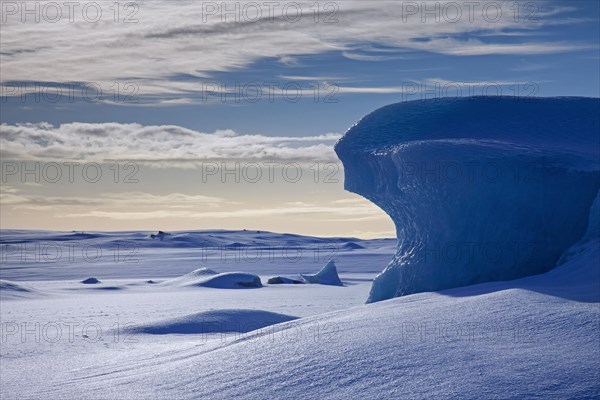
x=54, y=325
x=43, y=255
x=130, y=338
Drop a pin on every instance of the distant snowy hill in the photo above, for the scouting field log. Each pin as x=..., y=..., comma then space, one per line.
x=43, y=255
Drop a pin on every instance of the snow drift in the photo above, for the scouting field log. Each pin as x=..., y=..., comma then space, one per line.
x=14, y=291
x=206, y=277
x=191, y=278
x=232, y=280
x=215, y=321
x=480, y=189
x=503, y=339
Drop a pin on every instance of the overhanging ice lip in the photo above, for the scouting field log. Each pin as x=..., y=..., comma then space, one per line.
x=480, y=189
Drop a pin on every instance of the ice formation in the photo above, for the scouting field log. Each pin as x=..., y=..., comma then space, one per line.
x=326, y=276
x=90, y=281
x=159, y=235
x=480, y=189
x=277, y=280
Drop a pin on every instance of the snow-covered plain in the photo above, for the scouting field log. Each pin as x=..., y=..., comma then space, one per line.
x=153, y=297
x=126, y=338
x=180, y=315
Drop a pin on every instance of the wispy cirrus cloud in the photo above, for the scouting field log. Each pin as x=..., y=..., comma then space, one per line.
x=171, y=40
x=439, y=86
x=358, y=213
x=20, y=200
x=135, y=206
x=155, y=144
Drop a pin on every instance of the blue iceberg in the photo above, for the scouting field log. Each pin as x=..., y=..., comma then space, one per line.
x=480, y=189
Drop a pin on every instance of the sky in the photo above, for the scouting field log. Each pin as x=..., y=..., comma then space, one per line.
x=205, y=115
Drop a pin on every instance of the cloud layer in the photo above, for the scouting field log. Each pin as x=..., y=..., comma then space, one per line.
x=173, y=46
x=169, y=144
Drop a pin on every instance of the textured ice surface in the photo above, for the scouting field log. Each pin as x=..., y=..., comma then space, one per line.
x=480, y=189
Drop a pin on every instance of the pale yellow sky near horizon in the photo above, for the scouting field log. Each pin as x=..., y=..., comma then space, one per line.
x=306, y=199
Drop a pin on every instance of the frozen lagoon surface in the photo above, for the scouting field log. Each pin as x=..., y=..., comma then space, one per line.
x=463, y=331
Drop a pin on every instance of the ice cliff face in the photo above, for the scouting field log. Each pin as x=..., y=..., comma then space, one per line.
x=480, y=189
